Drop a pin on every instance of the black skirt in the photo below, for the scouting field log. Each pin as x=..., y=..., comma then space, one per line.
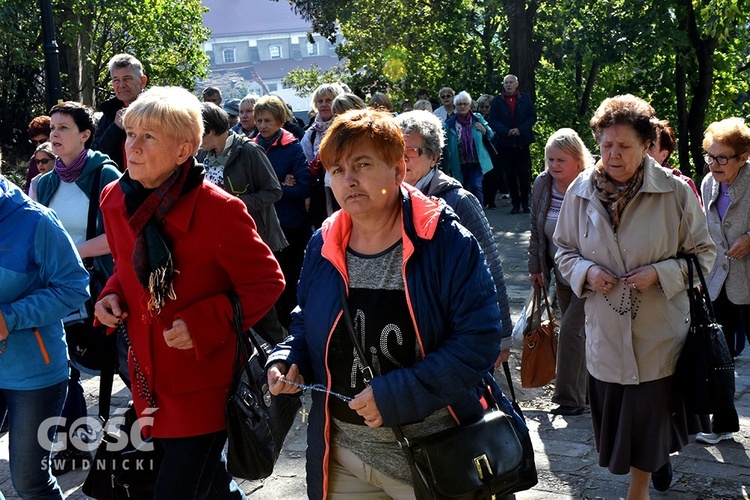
x=640, y=425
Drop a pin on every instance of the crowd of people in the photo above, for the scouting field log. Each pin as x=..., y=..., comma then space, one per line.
x=377, y=212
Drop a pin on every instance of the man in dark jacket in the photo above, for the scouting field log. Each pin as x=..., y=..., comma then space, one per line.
x=128, y=81
x=512, y=116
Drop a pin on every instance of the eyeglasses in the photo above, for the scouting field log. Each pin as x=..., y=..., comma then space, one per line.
x=38, y=142
x=413, y=152
x=721, y=160
x=44, y=161
x=463, y=104
x=446, y=96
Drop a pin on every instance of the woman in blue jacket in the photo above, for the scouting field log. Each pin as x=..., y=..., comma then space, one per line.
x=466, y=157
x=43, y=280
x=432, y=328
x=288, y=160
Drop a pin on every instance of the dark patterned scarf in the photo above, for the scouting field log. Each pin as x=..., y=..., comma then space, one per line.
x=615, y=197
x=147, y=208
x=467, y=137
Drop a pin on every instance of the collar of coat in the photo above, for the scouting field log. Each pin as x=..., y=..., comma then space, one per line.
x=420, y=216
x=656, y=179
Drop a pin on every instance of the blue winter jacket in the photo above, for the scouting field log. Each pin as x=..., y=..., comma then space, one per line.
x=454, y=310
x=287, y=157
x=43, y=280
x=451, y=161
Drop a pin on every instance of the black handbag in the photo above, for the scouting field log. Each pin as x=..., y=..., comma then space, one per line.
x=705, y=370
x=475, y=461
x=129, y=472
x=257, y=422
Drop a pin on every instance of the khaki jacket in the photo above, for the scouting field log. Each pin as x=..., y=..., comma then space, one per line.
x=734, y=274
x=663, y=220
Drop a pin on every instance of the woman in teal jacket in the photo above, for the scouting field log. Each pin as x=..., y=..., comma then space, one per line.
x=466, y=157
x=42, y=281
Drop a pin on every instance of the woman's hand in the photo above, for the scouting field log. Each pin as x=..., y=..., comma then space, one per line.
x=641, y=279
x=365, y=406
x=740, y=248
x=600, y=279
x=480, y=127
x=289, y=180
x=108, y=311
x=179, y=335
x=537, y=280
x=277, y=373
x=502, y=358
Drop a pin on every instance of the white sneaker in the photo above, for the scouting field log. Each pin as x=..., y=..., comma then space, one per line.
x=713, y=437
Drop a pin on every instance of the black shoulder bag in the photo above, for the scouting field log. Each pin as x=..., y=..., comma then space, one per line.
x=475, y=461
x=257, y=422
x=705, y=370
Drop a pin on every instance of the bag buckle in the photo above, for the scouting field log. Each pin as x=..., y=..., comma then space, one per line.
x=482, y=465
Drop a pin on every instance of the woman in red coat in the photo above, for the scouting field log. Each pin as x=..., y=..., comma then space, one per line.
x=180, y=247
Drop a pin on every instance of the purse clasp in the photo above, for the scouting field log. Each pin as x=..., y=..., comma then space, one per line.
x=482, y=464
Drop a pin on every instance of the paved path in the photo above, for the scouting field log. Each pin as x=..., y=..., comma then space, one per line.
x=565, y=451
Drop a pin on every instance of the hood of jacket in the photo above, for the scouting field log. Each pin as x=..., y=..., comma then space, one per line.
x=441, y=183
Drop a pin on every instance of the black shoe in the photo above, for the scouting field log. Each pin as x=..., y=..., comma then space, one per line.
x=662, y=478
x=71, y=459
x=526, y=209
x=568, y=411
x=515, y=210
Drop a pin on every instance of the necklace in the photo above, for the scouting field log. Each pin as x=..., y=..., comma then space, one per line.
x=634, y=302
x=319, y=388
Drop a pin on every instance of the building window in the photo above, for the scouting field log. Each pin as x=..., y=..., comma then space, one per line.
x=272, y=87
x=312, y=49
x=228, y=55
x=275, y=51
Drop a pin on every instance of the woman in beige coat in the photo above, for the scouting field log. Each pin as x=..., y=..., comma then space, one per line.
x=620, y=230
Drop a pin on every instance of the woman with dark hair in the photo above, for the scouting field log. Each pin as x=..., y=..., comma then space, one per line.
x=635, y=285
x=662, y=149
x=182, y=246
x=68, y=190
x=42, y=279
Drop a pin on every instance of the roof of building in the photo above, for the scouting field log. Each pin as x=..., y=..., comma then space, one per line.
x=251, y=17
x=276, y=68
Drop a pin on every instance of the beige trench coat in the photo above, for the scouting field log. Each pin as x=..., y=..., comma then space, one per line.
x=663, y=219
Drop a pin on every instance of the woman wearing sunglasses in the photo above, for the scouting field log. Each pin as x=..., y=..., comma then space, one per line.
x=45, y=161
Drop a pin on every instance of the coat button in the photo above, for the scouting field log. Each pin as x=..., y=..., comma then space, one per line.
x=687, y=319
x=727, y=224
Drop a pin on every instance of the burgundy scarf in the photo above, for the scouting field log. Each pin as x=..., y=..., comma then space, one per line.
x=467, y=137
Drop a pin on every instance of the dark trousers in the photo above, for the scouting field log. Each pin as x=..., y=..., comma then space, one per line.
x=290, y=259
x=472, y=174
x=195, y=467
x=517, y=163
x=728, y=316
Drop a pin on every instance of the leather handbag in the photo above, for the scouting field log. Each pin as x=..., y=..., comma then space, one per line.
x=539, y=356
x=705, y=370
x=479, y=460
x=129, y=472
x=257, y=422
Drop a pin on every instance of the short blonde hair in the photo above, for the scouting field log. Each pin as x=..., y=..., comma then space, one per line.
x=732, y=132
x=173, y=110
x=568, y=141
x=334, y=89
x=274, y=105
x=422, y=105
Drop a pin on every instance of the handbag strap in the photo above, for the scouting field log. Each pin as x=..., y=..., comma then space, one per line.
x=692, y=262
x=91, y=220
x=246, y=341
x=540, y=292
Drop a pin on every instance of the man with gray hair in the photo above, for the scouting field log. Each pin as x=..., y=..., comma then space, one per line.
x=128, y=81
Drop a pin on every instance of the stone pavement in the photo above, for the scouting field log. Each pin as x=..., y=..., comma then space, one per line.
x=565, y=450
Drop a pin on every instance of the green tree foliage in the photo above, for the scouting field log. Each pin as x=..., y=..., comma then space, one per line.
x=166, y=35
x=305, y=81
x=689, y=58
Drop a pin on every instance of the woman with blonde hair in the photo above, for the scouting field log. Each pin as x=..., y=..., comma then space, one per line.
x=566, y=156
x=727, y=205
x=45, y=157
x=182, y=246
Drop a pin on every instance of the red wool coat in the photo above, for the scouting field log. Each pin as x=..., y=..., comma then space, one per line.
x=216, y=249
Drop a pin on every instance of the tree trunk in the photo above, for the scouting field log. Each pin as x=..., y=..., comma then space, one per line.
x=524, y=51
x=683, y=133
x=583, y=110
x=704, y=51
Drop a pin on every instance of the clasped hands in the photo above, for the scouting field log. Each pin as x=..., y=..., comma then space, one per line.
x=601, y=279
x=363, y=403
x=109, y=313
